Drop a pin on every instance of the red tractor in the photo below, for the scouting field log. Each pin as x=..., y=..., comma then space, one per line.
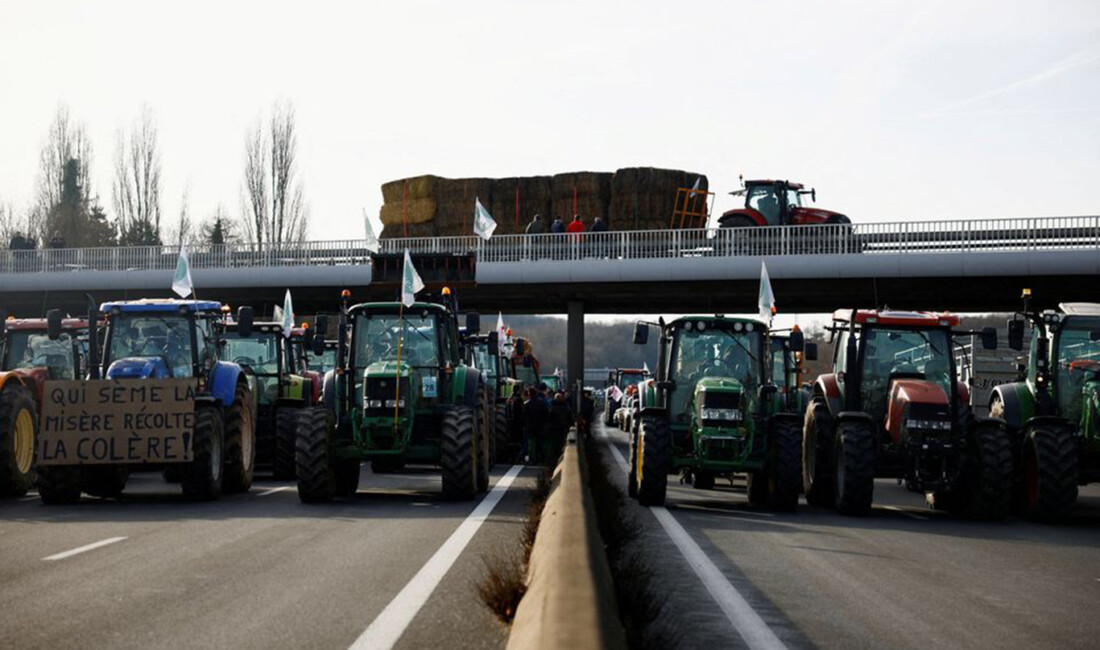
x=893, y=407
x=777, y=203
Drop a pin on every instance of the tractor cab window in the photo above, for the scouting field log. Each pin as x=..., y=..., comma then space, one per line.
x=325, y=362
x=144, y=335
x=1078, y=361
x=28, y=349
x=260, y=352
x=762, y=198
x=483, y=360
x=794, y=199
x=378, y=337
x=779, y=365
x=891, y=354
x=706, y=351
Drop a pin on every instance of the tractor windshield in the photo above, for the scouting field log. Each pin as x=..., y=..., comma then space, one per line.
x=630, y=379
x=380, y=337
x=1078, y=360
x=27, y=349
x=779, y=364
x=704, y=350
x=762, y=198
x=485, y=361
x=325, y=362
x=259, y=351
x=145, y=335
x=890, y=354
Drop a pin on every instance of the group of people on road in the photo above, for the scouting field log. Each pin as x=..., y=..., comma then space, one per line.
x=547, y=419
x=576, y=226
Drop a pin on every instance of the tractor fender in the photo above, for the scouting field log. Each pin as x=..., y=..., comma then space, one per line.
x=648, y=394
x=17, y=378
x=752, y=215
x=315, y=380
x=328, y=393
x=1019, y=403
x=828, y=388
x=849, y=416
x=222, y=385
x=464, y=386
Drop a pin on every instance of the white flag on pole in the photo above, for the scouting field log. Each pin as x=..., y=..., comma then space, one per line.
x=372, y=239
x=501, y=331
x=181, y=281
x=288, y=315
x=410, y=281
x=766, y=301
x=484, y=224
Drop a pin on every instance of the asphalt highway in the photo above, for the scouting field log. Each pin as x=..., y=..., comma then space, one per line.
x=396, y=565
x=903, y=577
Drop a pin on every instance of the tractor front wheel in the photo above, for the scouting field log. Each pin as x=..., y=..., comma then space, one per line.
x=817, y=455
x=632, y=473
x=1050, y=473
x=240, y=442
x=855, y=467
x=784, y=466
x=501, y=433
x=201, y=479
x=984, y=490
x=18, y=440
x=653, y=460
x=286, y=431
x=481, y=445
x=313, y=456
x=458, y=453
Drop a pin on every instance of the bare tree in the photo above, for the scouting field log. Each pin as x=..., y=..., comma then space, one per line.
x=273, y=198
x=183, y=232
x=66, y=141
x=136, y=188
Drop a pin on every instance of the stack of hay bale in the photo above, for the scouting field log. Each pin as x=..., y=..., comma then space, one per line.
x=635, y=198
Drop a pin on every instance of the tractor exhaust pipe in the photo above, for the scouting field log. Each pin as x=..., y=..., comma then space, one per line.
x=93, y=338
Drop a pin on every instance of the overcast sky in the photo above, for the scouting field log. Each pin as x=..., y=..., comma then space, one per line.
x=892, y=110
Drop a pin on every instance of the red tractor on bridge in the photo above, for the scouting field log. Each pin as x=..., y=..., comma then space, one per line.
x=777, y=203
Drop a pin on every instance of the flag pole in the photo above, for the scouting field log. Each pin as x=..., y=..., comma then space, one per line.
x=397, y=389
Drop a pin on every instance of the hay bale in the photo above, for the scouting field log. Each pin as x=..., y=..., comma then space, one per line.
x=414, y=211
x=593, y=195
x=534, y=198
x=455, y=203
x=417, y=187
x=643, y=198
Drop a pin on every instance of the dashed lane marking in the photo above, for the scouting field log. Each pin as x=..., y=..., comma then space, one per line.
x=388, y=627
x=744, y=619
x=906, y=513
x=83, y=549
x=273, y=490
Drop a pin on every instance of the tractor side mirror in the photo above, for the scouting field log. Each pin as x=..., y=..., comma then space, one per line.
x=308, y=337
x=809, y=352
x=520, y=348
x=1016, y=334
x=641, y=333
x=473, y=322
x=494, y=342
x=53, y=324
x=797, y=341
x=813, y=194
x=989, y=338
x=320, y=326
x=244, y=322
x=318, y=345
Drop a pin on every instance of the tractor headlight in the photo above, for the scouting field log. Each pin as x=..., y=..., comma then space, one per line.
x=394, y=403
x=721, y=414
x=929, y=425
x=374, y=403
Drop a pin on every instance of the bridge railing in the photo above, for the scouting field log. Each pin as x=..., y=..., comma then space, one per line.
x=1024, y=234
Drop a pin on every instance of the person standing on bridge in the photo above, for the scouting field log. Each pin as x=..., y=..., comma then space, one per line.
x=558, y=226
x=536, y=227
x=599, y=225
x=576, y=225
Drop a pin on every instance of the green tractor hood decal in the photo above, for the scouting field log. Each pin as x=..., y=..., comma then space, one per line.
x=387, y=369
x=718, y=384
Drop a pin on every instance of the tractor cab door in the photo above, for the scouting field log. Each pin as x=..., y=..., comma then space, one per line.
x=765, y=200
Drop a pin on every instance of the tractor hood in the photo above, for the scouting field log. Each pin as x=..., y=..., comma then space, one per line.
x=817, y=215
x=138, y=368
x=387, y=369
x=917, y=404
x=719, y=392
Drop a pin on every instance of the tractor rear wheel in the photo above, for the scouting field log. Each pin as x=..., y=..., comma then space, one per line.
x=1050, y=473
x=855, y=467
x=347, y=477
x=58, y=485
x=313, y=456
x=501, y=433
x=632, y=473
x=784, y=468
x=817, y=455
x=703, y=480
x=240, y=442
x=18, y=440
x=458, y=453
x=653, y=460
x=105, y=482
x=201, y=479
x=481, y=444
x=286, y=430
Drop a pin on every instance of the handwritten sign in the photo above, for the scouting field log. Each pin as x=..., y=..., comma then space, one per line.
x=106, y=421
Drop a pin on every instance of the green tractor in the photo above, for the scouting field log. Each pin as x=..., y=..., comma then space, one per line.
x=400, y=393
x=483, y=352
x=281, y=392
x=713, y=410
x=1053, y=413
x=788, y=370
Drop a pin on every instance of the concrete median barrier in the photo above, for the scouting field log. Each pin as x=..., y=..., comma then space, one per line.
x=570, y=600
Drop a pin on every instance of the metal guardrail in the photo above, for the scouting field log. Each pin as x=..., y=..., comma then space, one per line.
x=983, y=235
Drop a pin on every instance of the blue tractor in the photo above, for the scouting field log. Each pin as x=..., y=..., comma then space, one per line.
x=176, y=344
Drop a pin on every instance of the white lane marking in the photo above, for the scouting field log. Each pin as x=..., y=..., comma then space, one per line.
x=82, y=549
x=273, y=490
x=29, y=497
x=906, y=513
x=388, y=627
x=738, y=611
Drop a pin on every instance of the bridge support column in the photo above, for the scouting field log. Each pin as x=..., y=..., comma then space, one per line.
x=575, y=343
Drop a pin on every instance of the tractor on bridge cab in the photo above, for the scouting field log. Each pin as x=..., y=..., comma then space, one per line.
x=713, y=410
x=777, y=203
x=1053, y=414
x=166, y=397
x=894, y=407
x=282, y=388
x=483, y=351
x=401, y=393
x=31, y=358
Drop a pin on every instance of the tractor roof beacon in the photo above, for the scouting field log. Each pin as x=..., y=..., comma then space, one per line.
x=893, y=407
x=777, y=203
x=713, y=409
x=401, y=392
x=174, y=345
x=1053, y=412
